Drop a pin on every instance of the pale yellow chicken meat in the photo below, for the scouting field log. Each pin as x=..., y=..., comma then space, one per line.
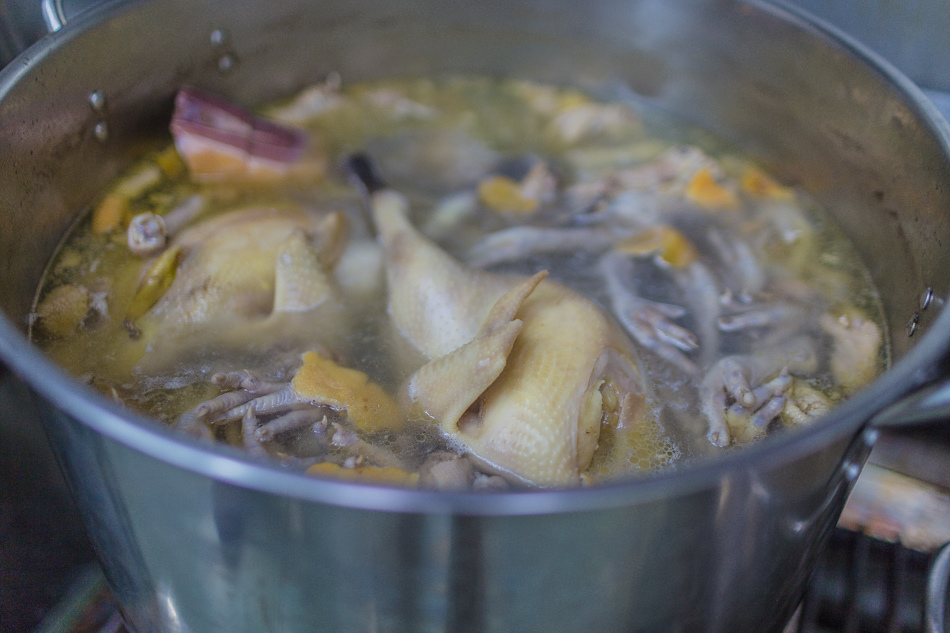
x=246, y=276
x=532, y=402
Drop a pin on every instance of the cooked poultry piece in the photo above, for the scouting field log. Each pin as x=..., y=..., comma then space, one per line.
x=243, y=278
x=518, y=367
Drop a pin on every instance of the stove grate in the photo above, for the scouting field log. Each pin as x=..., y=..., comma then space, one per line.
x=864, y=585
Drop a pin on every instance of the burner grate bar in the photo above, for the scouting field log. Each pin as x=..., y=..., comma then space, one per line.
x=863, y=585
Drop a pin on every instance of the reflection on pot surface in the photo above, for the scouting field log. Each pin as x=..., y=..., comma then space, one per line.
x=556, y=290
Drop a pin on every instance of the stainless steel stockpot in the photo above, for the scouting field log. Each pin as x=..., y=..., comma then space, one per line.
x=197, y=538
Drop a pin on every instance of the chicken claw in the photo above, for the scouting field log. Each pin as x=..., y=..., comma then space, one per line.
x=319, y=384
x=774, y=313
x=649, y=322
x=748, y=420
x=735, y=388
x=790, y=399
x=517, y=242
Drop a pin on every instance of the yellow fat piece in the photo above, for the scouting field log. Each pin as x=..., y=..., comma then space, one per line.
x=706, y=192
x=667, y=243
x=758, y=185
x=367, y=405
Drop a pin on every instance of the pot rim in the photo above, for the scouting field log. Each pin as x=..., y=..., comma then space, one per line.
x=227, y=464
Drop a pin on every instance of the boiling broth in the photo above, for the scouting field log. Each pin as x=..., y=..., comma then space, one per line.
x=748, y=311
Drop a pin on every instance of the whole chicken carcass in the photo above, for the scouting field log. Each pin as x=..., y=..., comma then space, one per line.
x=523, y=372
x=247, y=277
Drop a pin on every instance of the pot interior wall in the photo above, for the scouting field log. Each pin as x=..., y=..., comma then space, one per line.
x=811, y=112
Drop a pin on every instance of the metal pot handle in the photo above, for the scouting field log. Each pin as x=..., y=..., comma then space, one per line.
x=938, y=593
x=56, y=13
x=927, y=405
x=53, y=14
